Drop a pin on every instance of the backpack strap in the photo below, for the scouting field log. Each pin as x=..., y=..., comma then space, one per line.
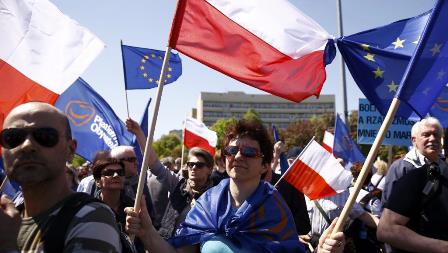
x=54, y=235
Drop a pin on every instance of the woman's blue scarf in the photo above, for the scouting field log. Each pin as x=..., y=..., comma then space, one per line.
x=262, y=223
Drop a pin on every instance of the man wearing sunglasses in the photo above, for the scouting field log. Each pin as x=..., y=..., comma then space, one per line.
x=36, y=143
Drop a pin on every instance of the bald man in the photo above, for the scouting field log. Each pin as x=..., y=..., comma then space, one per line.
x=36, y=143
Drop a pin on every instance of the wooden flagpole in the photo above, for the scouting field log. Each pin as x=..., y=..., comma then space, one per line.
x=149, y=139
x=367, y=165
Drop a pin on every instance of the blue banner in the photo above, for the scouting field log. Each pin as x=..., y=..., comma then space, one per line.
x=344, y=147
x=94, y=124
x=369, y=123
x=142, y=67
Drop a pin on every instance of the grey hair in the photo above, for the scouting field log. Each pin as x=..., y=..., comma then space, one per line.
x=418, y=126
x=119, y=151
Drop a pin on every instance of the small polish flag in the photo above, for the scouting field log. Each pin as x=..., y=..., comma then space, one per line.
x=328, y=141
x=317, y=173
x=197, y=134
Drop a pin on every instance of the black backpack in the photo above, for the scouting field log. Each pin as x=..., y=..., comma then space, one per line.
x=56, y=231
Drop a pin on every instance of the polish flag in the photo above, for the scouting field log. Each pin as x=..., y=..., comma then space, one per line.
x=42, y=52
x=267, y=44
x=197, y=134
x=317, y=173
x=328, y=141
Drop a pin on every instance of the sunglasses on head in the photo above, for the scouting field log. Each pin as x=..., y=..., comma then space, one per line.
x=129, y=159
x=13, y=137
x=198, y=165
x=111, y=172
x=245, y=151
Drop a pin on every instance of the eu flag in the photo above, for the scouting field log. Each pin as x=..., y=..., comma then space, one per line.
x=426, y=74
x=344, y=147
x=378, y=58
x=284, y=165
x=10, y=188
x=94, y=124
x=142, y=67
x=440, y=108
x=144, y=127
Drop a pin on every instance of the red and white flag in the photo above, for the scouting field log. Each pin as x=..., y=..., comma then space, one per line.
x=328, y=141
x=317, y=173
x=197, y=134
x=42, y=52
x=267, y=44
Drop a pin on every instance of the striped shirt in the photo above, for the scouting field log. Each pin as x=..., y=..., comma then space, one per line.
x=92, y=229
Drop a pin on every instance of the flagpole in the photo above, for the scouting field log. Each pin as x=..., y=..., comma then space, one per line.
x=124, y=74
x=295, y=160
x=343, y=78
x=183, y=146
x=3, y=183
x=367, y=164
x=149, y=139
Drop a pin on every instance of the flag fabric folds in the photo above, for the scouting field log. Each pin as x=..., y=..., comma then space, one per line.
x=440, y=108
x=426, y=74
x=284, y=165
x=269, y=45
x=328, y=141
x=94, y=123
x=144, y=127
x=196, y=134
x=344, y=147
x=377, y=60
x=42, y=52
x=317, y=173
x=142, y=67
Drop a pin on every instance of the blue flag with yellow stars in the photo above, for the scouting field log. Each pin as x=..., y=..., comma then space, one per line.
x=344, y=147
x=378, y=58
x=440, y=108
x=142, y=67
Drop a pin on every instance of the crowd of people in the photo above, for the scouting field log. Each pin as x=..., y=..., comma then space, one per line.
x=221, y=203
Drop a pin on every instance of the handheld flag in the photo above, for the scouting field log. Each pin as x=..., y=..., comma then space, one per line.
x=41, y=56
x=440, y=108
x=317, y=173
x=288, y=50
x=142, y=67
x=426, y=75
x=328, y=141
x=94, y=124
x=283, y=160
x=144, y=127
x=197, y=134
x=7, y=186
x=344, y=146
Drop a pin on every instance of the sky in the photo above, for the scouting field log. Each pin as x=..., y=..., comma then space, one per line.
x=147, y=24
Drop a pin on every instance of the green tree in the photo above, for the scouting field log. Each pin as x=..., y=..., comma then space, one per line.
x=78, y=161
x=220, y=127
x=168, y=145
x=252, y=115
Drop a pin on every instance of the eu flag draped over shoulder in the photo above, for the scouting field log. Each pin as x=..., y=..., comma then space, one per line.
x=344, y=147
x=94, y=124
x=142, y=67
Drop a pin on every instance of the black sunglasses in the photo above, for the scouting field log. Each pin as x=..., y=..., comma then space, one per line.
x=13, y=137
x=111, y=172
x=129, y=159
x=198, y=165
x=245, y=151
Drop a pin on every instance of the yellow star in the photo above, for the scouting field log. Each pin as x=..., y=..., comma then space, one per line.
x=436, y=49
x=158, y=82
x=378, y=73
x=142, y=67
x=398, y=43
x=160, y=57
x=146, y=57
x=150, y=80
x=170, y=69
x=392, y=87
x=143, y=61
x=153, y=55
x=365, y=47
x=440, y=74
x=168, y=75
x=370, y=57
x=145, y=75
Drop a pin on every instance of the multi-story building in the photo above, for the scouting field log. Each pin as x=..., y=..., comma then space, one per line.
x=212, y=106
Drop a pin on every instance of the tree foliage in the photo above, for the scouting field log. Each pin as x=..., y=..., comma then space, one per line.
x=220, y=127
x=168, y=145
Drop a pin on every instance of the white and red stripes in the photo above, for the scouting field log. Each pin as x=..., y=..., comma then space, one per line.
x=267, y=44
x=317, y=173
x=197, y=134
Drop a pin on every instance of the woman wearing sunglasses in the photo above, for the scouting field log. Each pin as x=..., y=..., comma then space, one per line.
x=240, y=214
x=109, y=177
